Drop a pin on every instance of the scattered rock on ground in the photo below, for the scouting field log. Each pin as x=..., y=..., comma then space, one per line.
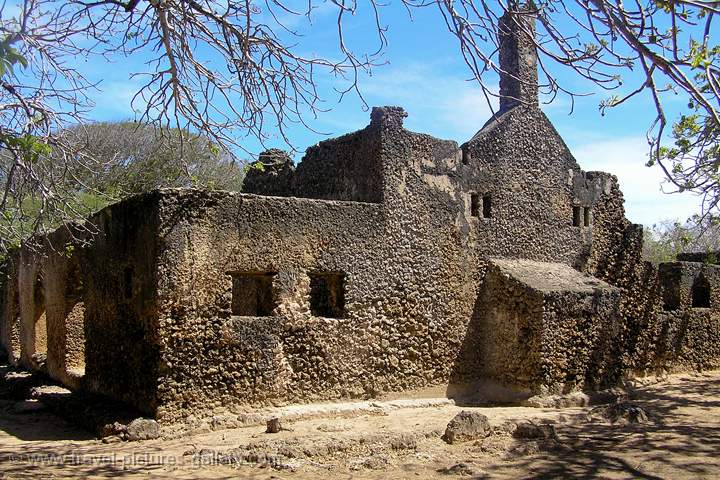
x=113, y=429
x=460, y=469
x=376, y=462
x=622, y=413
x=143, y=429
x=575, y=399
x=467, y=426
x=273, y=425
x=534, y=431
x=403, y=442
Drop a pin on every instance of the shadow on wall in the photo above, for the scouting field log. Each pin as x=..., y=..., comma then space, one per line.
x=700, y=292
x=74, y=322
x=470, y=382
x=38, y=350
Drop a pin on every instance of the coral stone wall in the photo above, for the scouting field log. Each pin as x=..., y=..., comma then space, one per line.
x=660, y=328
x=534, y=183
x=272, y=174
x=344, y=168
x=10, y=307
x=63, y=291
x=684, y=332
x=120, y=301
x=409, y=287
x=543, y=326
x=187, y=302
x=32, y=303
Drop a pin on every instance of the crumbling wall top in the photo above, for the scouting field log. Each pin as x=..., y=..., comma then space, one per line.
x=387, y=117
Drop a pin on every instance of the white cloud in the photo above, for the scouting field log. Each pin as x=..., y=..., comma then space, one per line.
x=438, y=104
x=642, y=187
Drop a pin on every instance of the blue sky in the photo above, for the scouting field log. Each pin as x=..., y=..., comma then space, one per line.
x=425, y=75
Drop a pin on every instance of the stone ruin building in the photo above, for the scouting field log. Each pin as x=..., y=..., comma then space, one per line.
x=386, y=261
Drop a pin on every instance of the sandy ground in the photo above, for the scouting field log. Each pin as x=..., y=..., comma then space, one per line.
x=682, y=441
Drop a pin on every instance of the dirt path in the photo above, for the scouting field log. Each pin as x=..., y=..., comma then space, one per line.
x=402, y=443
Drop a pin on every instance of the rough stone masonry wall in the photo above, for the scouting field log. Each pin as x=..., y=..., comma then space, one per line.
x=649, y=339
x=10, y=308
x=534, y=185
x=538, y=339
x=272, y=174
x=32, y=308
x=344, y=168
x=120, y=300
x=158, y=278
x=62, y=288
x=578, y=330
x=507, y=328
x=522, y=164
x=685, y=335
x=409, y=289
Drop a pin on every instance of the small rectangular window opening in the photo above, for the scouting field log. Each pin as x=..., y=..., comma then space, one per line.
x=587, y=216
x=577, y=216
x=327, y=294
x=487, y=206
x=475, y=205
x=252, y=294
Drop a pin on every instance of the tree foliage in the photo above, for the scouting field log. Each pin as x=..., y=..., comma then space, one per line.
x=663, y=241
x=113, y=160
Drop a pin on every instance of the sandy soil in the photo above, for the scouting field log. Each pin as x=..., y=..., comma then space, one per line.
x=682, y=440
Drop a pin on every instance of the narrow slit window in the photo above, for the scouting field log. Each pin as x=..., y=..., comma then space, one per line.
x=587, y=216
x=486, y=206
x=327, y=294
x=252, y=294
x=475, y=205
x=128, y=282
x=466, y=156
x=671, y=298
x=577, y=216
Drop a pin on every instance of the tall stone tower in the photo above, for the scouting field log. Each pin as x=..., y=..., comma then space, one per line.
x=518, y=58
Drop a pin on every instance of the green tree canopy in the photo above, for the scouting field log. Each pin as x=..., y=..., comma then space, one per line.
x=107, y=162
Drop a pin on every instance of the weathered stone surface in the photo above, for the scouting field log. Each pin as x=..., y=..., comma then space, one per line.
x=623, y=413
x=273, y=425
x=143, y=429
x=461, y=469
x=113, y=429
x=467, y=426
x=534, y=431
x=387, y=260
x=404, y=442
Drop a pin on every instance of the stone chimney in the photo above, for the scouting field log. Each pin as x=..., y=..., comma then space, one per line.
x=518, y=58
